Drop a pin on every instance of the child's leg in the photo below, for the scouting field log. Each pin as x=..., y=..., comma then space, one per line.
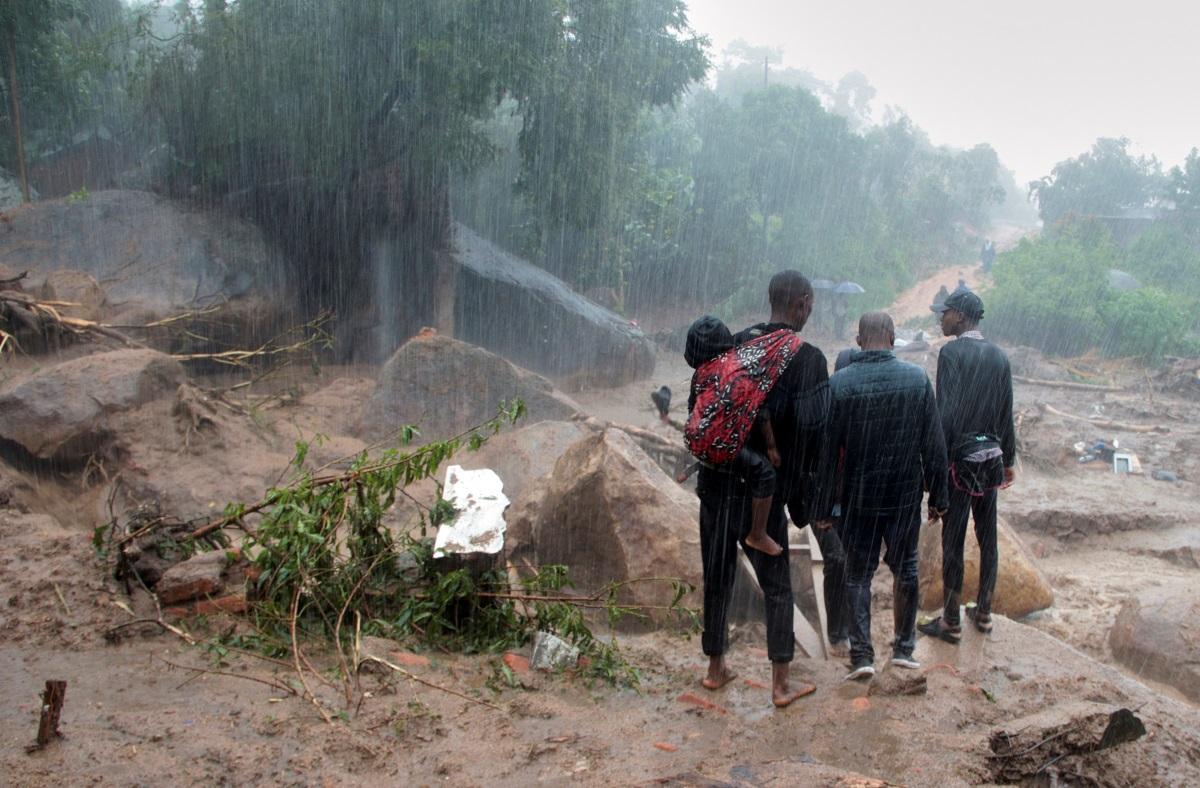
x=760, y=479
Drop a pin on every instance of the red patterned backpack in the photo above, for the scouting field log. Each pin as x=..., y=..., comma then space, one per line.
x=731, y=389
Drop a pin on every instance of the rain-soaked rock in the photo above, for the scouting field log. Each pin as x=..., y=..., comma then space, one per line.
x=609, y=513
x=1021, y=588
x=894, y=681
x=514, y=308
x=550, y=652
x=144, y=249
x=198, y=576
x=1157, y=635
x=444, y=386
x=63, y=411
x=522, y=457
x=78, y=288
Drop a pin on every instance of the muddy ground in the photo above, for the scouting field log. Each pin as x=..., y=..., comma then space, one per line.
x=151, y=709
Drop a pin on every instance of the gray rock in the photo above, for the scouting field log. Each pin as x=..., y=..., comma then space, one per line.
x=145, y=249
x=444, y=386
x=62, y=411
x=550, y=652
x=1164, y=476
x=514, y=308
x=897, y=681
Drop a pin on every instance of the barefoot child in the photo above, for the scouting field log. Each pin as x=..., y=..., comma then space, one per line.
x=707, y=339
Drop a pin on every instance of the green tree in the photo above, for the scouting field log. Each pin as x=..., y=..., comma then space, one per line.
x=1103, y=181
x=614, y=59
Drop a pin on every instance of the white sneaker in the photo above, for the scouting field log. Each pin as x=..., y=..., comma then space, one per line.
x=864, y=671
x=909, y=662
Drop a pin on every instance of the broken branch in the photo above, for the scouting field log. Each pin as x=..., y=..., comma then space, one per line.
x=432, y=685
x=1106, y=424
x=1065, y=384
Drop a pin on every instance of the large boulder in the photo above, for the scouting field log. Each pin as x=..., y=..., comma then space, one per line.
x=444, y=386
x=514, y=308
x=144, y=250
x=1157, y=635
x=63, y=411
x=522, y=457
x=610, y=514
x=1021, y=588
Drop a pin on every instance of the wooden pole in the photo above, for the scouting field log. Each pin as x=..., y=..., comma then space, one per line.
x=52, y=703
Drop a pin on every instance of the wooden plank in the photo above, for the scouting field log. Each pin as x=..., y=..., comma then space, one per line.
x=806, y=637
x=818, y=573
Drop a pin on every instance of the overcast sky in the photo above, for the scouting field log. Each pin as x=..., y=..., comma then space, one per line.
x=1039, y=81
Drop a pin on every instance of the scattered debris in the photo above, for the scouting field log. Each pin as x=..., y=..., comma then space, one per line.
x=1105, y=424
x=1065, y=384
x=1040, y=743
x=479, y=502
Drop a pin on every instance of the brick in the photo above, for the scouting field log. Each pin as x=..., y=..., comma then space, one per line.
x=692, y=699
x=664, y=746
x=516, y=663
x=410, y=660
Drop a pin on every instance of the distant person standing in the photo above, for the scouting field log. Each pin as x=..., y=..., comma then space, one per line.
x=974, y=395
x=840, y=304
x=987, y=255
x=883, y=449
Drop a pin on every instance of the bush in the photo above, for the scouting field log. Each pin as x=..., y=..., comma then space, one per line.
x=1053, y=293
x=1048, y=291
x=1149, y=323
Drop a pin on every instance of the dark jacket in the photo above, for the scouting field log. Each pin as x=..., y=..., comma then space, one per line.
x=884, y=441
x=975, y=396
x=798, y=407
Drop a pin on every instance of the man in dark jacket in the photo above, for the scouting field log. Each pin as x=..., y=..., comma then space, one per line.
x=798, y=405
x=883, y=449
x=802, y=400
x=974, y=395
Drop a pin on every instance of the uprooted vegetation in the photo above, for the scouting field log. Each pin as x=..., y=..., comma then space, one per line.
x=323, y=573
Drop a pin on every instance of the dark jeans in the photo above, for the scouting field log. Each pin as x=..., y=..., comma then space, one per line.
x=954, y=534
x=725, y=515
x=864, y=533
x=837, y=612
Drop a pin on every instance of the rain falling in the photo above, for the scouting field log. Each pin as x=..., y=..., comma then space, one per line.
x=614, y=391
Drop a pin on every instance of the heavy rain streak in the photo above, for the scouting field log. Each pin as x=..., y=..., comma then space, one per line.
x=490, y=392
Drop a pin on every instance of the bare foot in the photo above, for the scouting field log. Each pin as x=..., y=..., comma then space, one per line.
x=783, y=696
x=763, y=544
x=718, y=676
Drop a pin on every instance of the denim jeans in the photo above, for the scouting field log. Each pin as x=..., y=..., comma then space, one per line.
x=898, y=532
